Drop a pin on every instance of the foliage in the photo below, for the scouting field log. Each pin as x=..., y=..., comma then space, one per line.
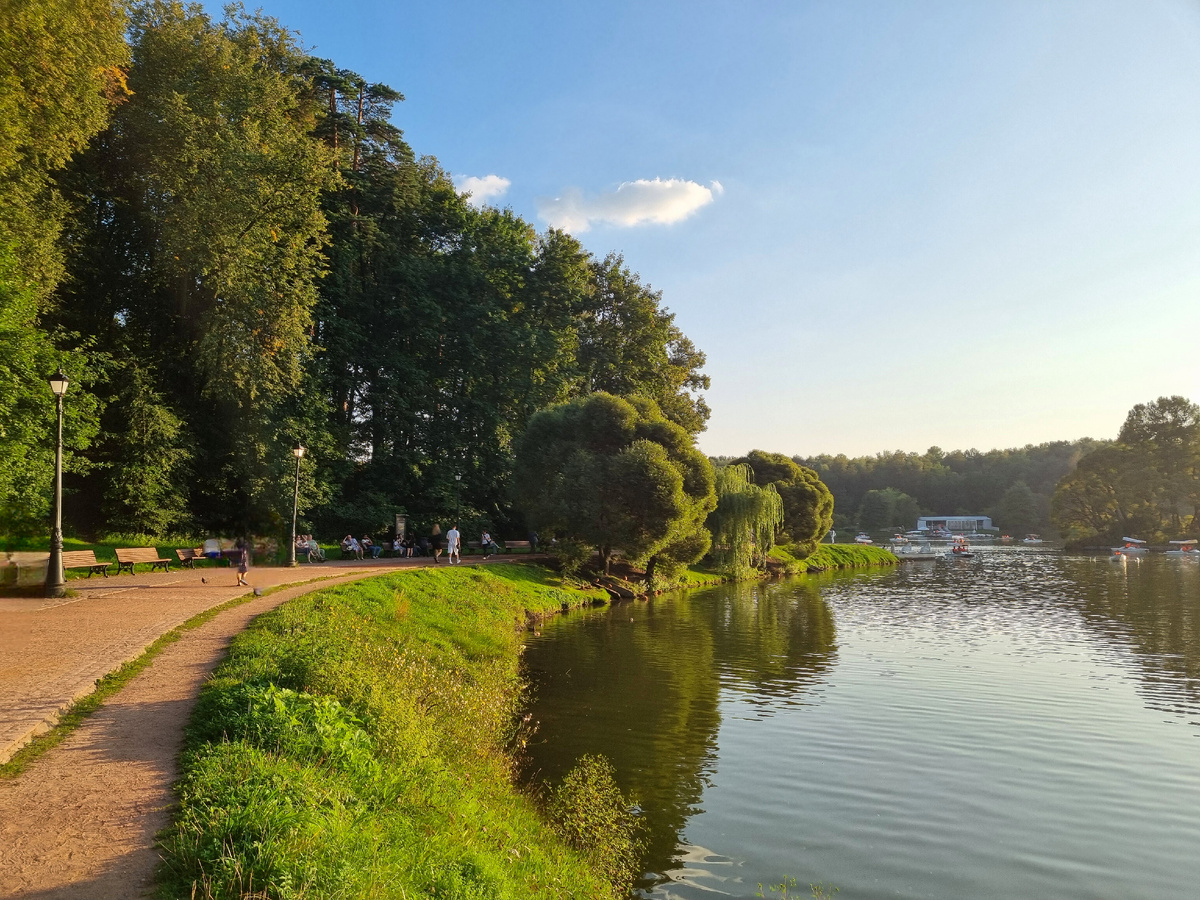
x=960, y=482
x=888, y=508
x=807, y=502
x=745, y=520
x=356, y=744
x=593, y=816
x=614, y=474
x=1147, y=483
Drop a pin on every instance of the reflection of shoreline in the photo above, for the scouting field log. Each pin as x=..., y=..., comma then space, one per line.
x=642, y=683
x=1142, y=607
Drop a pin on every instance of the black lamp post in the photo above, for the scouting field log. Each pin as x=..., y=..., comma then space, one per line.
x=56, y=582
x=457, y=499
x=298, y=452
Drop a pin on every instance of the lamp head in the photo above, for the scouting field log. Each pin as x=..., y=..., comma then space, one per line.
x=58, y=383
x=298, y=451
x=458, y=478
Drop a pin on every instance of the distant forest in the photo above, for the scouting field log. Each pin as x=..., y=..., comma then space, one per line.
x=889, y=490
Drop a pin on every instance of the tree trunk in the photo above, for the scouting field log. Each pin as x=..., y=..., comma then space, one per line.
x=651, y=564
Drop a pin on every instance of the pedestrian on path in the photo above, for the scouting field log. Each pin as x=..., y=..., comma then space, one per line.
x=453, y=542
x=435, y=542
x=243, y=558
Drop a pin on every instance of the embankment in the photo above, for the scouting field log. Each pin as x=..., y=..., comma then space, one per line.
x=357, y=743
x=828, y=557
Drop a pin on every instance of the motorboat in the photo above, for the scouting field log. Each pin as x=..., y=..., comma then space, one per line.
x=1186, y=549
x=1033, y=539
x=1132, y=547
x=899, y=540
x=959, y=548
x=863, y=538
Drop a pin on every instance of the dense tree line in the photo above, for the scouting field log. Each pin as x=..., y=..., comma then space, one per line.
x=230, y=248
x=889, y=490
x=1145, y=484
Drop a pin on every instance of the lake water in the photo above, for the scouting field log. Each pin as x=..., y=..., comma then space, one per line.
x=1025, y=724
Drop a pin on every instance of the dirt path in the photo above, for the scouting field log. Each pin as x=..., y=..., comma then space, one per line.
x=80, y=823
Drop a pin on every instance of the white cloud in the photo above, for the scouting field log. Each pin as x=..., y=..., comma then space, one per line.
x=632, y=203
x=482, y=190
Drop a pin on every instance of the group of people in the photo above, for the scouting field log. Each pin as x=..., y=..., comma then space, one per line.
x=404, y=547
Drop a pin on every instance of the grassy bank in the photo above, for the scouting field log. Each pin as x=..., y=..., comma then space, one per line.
x=833, y=556
x=356, y=744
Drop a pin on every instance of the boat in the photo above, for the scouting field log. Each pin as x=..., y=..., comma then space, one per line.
x=959, y=548
x=1033, y=539
x=915, y=552
x=1186, y=549
x=1005, y=538
x=899, y=540
x=1133, y=547
x=863, y=538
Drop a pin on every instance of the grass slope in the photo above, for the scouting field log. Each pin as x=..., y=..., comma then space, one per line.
x=355, y=744
x=833, y=556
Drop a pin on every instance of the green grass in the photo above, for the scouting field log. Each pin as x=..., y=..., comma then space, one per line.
x=358, y=743
x=833, y=556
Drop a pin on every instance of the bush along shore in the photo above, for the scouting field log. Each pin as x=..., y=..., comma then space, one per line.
x=360, y=742
x=782, y=560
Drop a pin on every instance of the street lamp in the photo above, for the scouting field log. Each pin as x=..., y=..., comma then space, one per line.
x=56, y=582
x=298, y=452
x=457, y=499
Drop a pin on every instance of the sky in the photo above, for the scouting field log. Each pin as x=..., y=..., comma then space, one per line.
x=888, y=225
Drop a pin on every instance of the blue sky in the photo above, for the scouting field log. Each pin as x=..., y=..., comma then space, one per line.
x=889, y=225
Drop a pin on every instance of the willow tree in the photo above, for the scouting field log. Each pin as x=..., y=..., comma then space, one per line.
x=745, y=521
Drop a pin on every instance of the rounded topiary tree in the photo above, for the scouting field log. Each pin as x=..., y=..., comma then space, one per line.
x=807, y=502
x=613, y=473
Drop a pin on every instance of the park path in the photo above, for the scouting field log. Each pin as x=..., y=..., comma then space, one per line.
x=80, y=822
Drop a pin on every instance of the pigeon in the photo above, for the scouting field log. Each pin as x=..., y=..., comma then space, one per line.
x=258, y=592
x=203, y=580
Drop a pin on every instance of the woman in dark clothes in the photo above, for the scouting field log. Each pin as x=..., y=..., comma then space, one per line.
x=436, y=541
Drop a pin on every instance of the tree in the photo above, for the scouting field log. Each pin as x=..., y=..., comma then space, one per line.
x=616, y=475
x=1018, y=510
x=807, y=502
x=746, y=519
x=887, y=508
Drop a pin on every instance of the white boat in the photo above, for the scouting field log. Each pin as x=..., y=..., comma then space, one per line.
x=899, y=540
x=1033, y=539
x=917, y=552
x=863, y=538
x=1186, y=549
x=1133, y=547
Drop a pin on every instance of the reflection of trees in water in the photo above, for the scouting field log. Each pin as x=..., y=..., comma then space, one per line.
x=1153, y=607
x=645, y=693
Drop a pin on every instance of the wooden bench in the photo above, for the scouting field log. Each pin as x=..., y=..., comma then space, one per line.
x=128, y=557
x=84, y=559
x=518, y=545
x=187, y=558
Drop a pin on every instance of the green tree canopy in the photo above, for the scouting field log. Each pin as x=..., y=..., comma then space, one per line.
x=807, y=502
x=616, y=475
x=746, y=519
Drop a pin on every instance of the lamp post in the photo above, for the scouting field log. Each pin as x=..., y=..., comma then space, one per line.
x=56, y=582
x=298, y=452
x=457, y=499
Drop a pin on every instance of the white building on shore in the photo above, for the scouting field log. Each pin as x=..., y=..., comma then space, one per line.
x=964, y=524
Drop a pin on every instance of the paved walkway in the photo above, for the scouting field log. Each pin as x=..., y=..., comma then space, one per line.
x=80, y=823
x=52, y=651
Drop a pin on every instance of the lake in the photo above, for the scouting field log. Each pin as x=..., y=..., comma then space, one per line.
x=1022, y=724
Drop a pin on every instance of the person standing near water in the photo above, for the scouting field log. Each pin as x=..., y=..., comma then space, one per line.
x=453, y=543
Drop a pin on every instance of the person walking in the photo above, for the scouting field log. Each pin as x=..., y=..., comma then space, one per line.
x=453, y=544
x=435, y=542
x=243, y=561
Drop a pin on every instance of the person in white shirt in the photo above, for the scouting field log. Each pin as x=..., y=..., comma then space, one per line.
x=453, y=539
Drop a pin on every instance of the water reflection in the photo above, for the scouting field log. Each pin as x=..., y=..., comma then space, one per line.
x=1020, y=724
x=667, y=662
